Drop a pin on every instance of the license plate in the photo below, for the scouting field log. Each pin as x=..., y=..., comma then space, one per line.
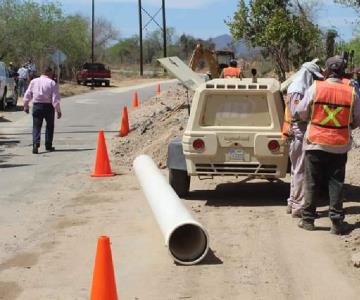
x=237, y=154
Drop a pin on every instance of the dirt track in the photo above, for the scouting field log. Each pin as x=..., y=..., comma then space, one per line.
x=257, y=251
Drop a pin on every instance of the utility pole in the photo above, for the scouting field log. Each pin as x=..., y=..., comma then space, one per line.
x=141, y=40
x=92, y=40
x=164, y=27
x=152, y=19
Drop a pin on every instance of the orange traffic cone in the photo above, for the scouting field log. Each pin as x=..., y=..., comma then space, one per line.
x=103, y=285
x=102, y=164
x=158, y=89
x=135, y=101
x=124, y=129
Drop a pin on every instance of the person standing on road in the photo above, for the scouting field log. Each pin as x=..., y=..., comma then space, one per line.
x=332, y=109
x=44, y=93
x=231, y=72
x=23, y=79
x=293, y=132
x=32, y=69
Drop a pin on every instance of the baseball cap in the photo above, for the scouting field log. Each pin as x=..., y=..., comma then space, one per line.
x=335, y=63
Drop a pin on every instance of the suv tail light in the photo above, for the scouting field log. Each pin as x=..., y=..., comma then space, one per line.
x=199, y=145
x=274, y=146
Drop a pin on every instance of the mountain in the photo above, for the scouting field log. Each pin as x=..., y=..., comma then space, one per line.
x=225, y=42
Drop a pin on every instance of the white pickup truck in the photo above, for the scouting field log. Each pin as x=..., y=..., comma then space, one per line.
x=8, y=91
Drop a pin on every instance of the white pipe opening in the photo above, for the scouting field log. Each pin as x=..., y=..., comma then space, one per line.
x=186, y=239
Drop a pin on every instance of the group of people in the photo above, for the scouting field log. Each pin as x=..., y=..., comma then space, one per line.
x=322, y=107
x=23, y=75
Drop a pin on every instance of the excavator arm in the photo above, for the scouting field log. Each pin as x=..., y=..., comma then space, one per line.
x=209, y=56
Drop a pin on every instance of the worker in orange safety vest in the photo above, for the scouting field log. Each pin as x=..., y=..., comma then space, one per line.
x=232, y=71
x=332, y=109
x=293, y=132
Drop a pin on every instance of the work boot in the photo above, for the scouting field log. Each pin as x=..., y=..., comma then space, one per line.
x=35, y=149
x=50, y=148
x=307, y=225
x=339, y=227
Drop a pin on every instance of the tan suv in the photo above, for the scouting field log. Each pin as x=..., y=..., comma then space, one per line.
x=234, y=129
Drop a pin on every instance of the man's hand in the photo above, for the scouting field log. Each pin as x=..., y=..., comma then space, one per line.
x=59, y=114
x=26, y=110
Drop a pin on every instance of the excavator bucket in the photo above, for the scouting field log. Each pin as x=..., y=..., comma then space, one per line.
x=182, y=72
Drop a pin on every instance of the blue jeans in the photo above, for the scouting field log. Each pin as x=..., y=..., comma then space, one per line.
x=43, y=111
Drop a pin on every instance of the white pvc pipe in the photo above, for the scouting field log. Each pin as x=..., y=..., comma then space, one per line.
x=186, y=239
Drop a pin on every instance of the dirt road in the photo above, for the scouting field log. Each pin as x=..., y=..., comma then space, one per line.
x=48, y=241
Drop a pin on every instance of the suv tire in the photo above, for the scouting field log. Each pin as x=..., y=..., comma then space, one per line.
x=179, y=181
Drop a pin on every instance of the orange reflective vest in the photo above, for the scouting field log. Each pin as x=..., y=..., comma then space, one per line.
x=287, y=120
x=331, y=114
x=231, y=72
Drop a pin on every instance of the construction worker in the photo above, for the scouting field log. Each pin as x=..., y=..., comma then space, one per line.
x=231, y=72
x=332, y=109
x=293, y=132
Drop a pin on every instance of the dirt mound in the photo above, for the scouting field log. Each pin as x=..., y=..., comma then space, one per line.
x=152, y=126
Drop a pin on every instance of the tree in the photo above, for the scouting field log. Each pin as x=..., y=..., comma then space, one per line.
x=287, y=36
x=330, y=42
x=126, y=51
x=352, y=3
x=104, y=34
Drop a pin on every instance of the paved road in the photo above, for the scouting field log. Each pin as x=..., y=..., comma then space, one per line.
x=75, y=137
x=32, y=185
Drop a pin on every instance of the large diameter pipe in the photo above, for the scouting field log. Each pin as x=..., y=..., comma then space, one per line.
x=186, y=239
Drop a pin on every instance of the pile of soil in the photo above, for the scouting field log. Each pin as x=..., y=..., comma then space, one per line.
x=152, y=126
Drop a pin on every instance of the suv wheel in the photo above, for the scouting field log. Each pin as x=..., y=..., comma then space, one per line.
x=179, y=181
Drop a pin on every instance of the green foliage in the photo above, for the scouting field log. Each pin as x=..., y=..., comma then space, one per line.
x=126, y=51
x=30, y=29
x=287, y=36
x=353, y=3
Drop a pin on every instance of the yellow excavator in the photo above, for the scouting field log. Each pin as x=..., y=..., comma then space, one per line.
x=217, y=60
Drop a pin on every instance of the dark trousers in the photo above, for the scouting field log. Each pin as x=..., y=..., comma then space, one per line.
x=43, y=111
x=324, y=168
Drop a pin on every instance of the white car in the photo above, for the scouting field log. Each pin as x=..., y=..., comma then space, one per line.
x=8, y=90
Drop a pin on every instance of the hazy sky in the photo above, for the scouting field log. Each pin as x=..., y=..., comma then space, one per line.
x=200, y=18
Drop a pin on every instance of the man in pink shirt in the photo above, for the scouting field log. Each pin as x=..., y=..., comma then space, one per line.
x=44, y=93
